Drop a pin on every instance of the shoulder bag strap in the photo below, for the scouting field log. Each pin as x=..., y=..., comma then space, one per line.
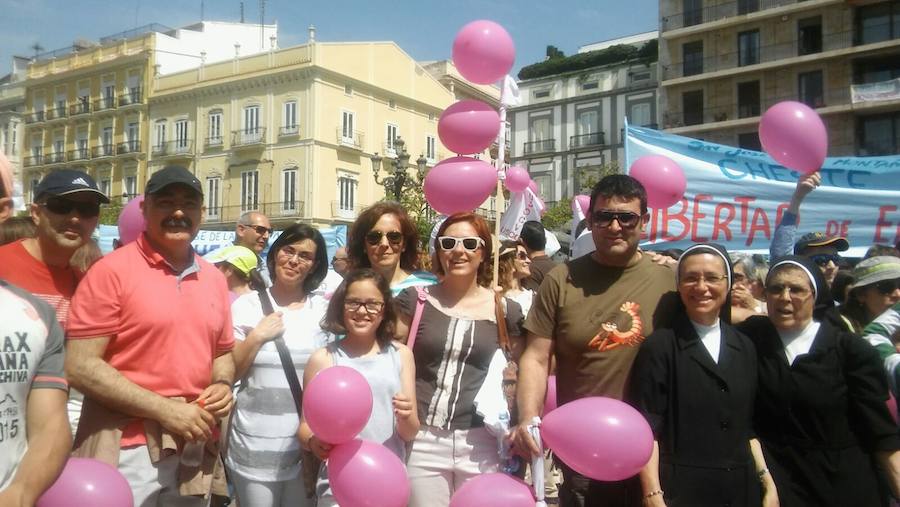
x=502, y=331
x=287, y=364
x=417, y=317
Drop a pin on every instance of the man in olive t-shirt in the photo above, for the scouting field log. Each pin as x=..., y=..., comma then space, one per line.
x=593, y=313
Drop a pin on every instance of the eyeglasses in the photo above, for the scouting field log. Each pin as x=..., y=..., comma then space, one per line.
x=521, y=255
x=290, y=253
x=626, y=219
x=709, y=278
x=470, y=243
x=261, y=230
x=888, y=286
x=372, y=307
x=60, y=206
x=374, y=237
x=824, y=259
x=795, y=291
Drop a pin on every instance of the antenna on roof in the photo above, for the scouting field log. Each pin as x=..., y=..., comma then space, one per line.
x=242, y=12
x=37, y=49
x=201, y=10
x=262, y=19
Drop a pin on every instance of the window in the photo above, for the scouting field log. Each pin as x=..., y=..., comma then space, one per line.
x=541, y=94
x=749, y=141
x=34, y=184
x=347, y=124
x=348, y=89
x=809, y=36
x=879, y=22
x=289, y=117
x=37, y=149
x=747, y=6
x=639, y=77
x=748, y=48
x=430, y=152
x=109, y=95
x=587, y=122
x=213, y=186
x=692, y=107
x=181, y=136
x=59, y=148
x=810, y=89
x=132, y=136
x=431, y=116
x=391, y=139
x=130, y=184
x=692, y=53
x=639, y=114
x=106, y=141
x=160, y=136
x=347, y=194
x=249, y=190
x=105, y=185
x=875, y=70
x=215, y=128
x=878, y=135
x=748, y=99
x=693, y=12
x=392, y=104
x=251, y=120
x=81, y=146
x=593, y=85
x=289, y=190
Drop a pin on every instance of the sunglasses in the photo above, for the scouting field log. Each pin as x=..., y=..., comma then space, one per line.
x=888, y=286
x=60, y=206
x=522, y=256
x=374, y=237
x=626, y=219
x=823, y=259
x=261, y=230
x=470, y=243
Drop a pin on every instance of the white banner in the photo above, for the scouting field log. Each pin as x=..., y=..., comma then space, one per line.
x=523, y=206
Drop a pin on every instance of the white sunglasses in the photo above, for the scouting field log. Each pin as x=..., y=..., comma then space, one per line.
x=470, y=243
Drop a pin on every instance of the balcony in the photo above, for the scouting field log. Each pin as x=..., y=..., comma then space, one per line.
x=83, y=106
x=132, y=148
x=56, y=113
x=271, y=209
x=35, y=117
x=131, y=98
x=79, y=154
x=587, y=140
x=214, y=142
x=289, y=131
x=722, y=10
x=870, y=93
x=176, y=148
x=344, y=211
x=542, y=146
x=55, y=158
x=33, y=160
x=104, y=104
x=352, y=140
x=248, y=137
x=104, y=150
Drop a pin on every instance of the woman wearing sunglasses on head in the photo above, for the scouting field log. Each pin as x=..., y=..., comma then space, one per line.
x=515, y=266
x=820, y=410
x=384, y=238
x=461, y=326
x=876, y=288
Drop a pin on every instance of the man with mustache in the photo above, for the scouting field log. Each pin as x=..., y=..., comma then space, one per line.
x=149, y=343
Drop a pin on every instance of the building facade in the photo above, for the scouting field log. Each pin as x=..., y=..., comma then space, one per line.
x=12, y=111
x=86, y=106
x=293, y=132
x=571, y=124
x=723, y=63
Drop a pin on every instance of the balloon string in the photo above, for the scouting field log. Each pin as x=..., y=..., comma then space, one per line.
x=537, y=462
x=499, y=201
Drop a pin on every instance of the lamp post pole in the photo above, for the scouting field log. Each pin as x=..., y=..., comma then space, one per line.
x=398, y=178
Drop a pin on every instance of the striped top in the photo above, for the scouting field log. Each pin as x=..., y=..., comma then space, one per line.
x=879, y=334
x=262, y=438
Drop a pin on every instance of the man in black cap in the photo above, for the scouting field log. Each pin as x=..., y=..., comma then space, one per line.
x=149, y=343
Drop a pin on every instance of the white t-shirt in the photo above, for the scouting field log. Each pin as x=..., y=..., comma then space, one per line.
x=262, y=438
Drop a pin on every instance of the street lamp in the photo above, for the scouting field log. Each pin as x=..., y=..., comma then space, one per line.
x=397, y=177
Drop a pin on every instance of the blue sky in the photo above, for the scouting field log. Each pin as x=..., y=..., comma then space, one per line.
x=423, y=28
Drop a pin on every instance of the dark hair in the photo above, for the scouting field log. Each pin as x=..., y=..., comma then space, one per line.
x=618, y=185
x=356, y=238
x=333, y=321
x=674, y=253
x=532, y=236
x=484, y=232
x=293, y=234
x=876, y=250
x=506, y=268
x=16, y=228
x=842, y=279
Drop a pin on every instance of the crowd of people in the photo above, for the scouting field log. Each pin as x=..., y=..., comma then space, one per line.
x=764, y=381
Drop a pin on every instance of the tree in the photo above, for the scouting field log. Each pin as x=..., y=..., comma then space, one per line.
x=559, y=216
x=109, y=214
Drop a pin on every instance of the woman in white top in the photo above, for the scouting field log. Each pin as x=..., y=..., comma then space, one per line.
x=263, y=455
x=514, y=266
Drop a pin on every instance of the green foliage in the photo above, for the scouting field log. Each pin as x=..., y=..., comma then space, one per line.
x=413, y=201
x=589, y=176
x=619, y=53
x=109, y=213
x=558, y=216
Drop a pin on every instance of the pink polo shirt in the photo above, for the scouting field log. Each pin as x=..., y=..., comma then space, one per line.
x=165, y=328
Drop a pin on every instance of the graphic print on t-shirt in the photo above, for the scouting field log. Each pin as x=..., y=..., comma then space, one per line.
x=623, y=328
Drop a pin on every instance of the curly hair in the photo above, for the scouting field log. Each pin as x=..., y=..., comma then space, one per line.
x=333, y=321
x=356, y=238
x=484, y=232
x=507, y=265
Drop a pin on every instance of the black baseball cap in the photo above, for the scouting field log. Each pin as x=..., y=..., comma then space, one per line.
x=66, y=182
x=813, y=239
x=170, y=175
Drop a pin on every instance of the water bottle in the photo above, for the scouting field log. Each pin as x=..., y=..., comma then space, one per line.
x=192, y=453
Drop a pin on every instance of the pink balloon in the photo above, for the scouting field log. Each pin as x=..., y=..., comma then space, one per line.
x=584, y=202
x=337, y=404
x=364, y=474
x=459, y=184
x=600, y=438
x=794, y=135
x=86, y=481
x=494, y=490
x=533, y=186
x=663, y=179
x=468, y=126
x=517, y=179
x=550, y=398
x=131, y=221
x=483, y=51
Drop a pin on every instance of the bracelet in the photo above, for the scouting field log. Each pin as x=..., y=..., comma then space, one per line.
x=762, y=473
x=653, y=493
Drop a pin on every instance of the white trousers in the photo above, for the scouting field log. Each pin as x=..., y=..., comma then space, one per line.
x=154, y=485
x=253, y=493
x=442, y=460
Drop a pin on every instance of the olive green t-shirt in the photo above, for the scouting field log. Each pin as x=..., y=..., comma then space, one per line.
x=597, y=316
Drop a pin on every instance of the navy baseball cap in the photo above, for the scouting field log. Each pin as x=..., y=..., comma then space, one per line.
x=813, y=239
x=170, y=175
x=66, y=182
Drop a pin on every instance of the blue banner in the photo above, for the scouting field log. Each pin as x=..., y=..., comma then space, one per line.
x=736, y=197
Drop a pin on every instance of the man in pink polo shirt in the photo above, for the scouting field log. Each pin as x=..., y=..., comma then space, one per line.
x=149, y=342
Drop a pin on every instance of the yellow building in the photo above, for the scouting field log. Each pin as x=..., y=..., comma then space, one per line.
x=293, y=132
x=86, y=106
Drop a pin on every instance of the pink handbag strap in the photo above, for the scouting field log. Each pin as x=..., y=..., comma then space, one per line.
x=417, y=317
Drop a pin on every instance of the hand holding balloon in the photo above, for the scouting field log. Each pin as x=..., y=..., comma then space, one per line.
x=319, y=448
